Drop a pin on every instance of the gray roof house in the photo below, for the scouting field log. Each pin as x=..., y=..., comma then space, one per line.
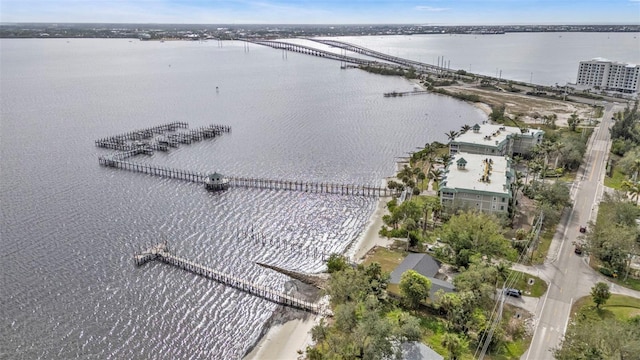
x=424, y=265
x=419, y=351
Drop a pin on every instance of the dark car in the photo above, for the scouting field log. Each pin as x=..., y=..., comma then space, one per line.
x=513, y=292
x=578, y=250
x=583, y=229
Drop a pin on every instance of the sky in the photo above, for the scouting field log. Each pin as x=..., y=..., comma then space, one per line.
x=426, y=12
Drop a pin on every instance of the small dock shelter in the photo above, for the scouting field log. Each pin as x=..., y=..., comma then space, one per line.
x=216, y=182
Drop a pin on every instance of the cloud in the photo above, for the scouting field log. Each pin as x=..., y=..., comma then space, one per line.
x=435, y=9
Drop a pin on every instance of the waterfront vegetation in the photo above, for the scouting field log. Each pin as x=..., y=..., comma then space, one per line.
x=608, y=331
x=614, y=236
x=623, y=172
x=366, y=307
x=475, y=246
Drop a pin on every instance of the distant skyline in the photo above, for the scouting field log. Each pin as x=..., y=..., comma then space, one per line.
x=425, y=12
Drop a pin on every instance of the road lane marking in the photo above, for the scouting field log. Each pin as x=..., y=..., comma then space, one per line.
x=567, y=323
x=595, y=164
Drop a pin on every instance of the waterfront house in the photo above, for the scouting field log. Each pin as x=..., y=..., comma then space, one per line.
x=424, y=265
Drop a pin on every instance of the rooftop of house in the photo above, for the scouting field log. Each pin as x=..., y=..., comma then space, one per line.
x=476, y=172
x=421, y=263
x=418, y=351
x=490, y=134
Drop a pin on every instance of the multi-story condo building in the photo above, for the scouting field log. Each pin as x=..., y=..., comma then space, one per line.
x=478, y=182
x=609, y=75
x=497, y=140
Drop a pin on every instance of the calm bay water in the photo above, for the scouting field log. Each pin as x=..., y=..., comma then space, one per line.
x=69, y=227
x=545, y=58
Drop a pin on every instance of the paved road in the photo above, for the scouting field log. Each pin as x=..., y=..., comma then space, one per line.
x=568, y=274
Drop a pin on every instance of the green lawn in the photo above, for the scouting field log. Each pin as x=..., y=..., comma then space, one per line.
x=540, y=254
x=630, y=283
x=388, y=259
x=618, y=306
x=538, y=288
x=615, y=182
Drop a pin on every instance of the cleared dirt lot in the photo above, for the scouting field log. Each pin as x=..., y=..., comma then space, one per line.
x=526, y=106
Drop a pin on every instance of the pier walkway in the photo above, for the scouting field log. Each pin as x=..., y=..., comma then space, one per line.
x=160, y=252
x=119, y=161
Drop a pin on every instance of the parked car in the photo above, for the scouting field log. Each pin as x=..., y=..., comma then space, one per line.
x=583, y=229
x=578, y=249
x=513, y=292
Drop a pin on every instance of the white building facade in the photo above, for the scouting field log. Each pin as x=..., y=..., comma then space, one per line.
x=478, y=182
x=609, y=75
x=496, y=140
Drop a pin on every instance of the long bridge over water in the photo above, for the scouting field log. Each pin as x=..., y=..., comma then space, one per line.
x=379, y=55
x=160, y=252
x=405, y=63
x=313, y=51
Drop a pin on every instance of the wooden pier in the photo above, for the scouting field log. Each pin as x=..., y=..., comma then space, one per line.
x=406, y=93
x=116, y=161
x=160, y=252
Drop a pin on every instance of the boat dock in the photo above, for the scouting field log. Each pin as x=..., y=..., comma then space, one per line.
x=119, y=161
x=161, y=137
x=160, y=252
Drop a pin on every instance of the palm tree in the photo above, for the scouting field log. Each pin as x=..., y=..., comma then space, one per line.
x=635, y=168
x=633, y=188
x=451, y=135
x=445, y=159
x=557, y=149
x=517, y=160
x=545, y=148
x=534, y=167
x=436, y=175
x=420, y=177
x=517, y=185
x=573, y=121
x=465, y=128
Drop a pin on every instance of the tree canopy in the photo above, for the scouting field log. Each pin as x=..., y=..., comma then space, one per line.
x=414, y=288
x=470, y=233
x=600, y=293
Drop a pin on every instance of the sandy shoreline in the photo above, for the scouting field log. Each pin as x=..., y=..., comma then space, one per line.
x=283, y=341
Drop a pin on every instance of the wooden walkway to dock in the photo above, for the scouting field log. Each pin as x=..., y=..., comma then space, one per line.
x=116, y=161
x=160, y=252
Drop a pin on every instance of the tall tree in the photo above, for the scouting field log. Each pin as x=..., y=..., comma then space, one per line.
x=414, y=288
x=600, y=293
x=573, y=121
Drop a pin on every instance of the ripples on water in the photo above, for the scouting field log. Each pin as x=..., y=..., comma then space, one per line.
x=70, y=227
